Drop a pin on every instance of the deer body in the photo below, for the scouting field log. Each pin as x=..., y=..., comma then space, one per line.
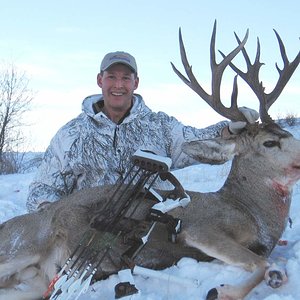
x=240, y=224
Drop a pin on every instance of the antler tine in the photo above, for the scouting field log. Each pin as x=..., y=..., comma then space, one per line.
x=213, y=100
x=284, y=74
x=192, y=81
x=251, y=77
x=218, y=70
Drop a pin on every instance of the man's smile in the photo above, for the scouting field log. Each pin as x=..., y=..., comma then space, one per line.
x=117, y=93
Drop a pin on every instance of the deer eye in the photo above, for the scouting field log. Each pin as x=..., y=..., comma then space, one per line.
x=270, y=144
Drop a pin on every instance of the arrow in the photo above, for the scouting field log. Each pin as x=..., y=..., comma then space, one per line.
x=62, y=279
x=77, y=283
x=86, y=283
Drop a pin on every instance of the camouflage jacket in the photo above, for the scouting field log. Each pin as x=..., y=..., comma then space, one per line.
x=91, y=150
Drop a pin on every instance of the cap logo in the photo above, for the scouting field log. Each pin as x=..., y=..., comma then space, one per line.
x=122, y=57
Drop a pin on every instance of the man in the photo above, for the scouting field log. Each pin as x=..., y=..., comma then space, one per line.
x=95, y=148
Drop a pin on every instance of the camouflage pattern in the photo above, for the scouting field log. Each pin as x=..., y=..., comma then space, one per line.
x=91, y=150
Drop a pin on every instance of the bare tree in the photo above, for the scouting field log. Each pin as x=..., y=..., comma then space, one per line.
x=15, y=100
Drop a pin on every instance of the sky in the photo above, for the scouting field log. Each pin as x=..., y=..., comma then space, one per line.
x=60, y=45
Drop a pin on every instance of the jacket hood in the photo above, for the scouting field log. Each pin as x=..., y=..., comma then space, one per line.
x=139, y=107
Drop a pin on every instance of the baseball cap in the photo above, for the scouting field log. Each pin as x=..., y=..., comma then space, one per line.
x=118, y=57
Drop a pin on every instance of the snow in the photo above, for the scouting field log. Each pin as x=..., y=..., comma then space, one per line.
x=202, y=178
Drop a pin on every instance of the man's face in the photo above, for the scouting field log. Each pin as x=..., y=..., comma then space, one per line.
x=118, y=84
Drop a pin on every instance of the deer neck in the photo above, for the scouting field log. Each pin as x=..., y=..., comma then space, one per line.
x=260, y=194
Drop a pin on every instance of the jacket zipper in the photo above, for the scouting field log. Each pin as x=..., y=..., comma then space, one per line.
x=115, y=138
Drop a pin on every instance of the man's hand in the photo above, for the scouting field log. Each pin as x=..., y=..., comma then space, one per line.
x=250, y=114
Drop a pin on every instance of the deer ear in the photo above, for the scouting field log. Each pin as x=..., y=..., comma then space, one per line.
x=212, y=151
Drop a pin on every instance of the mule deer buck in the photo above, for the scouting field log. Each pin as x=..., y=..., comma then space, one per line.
x=240, y=224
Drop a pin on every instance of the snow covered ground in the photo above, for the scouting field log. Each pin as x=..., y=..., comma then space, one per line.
x=13, y=193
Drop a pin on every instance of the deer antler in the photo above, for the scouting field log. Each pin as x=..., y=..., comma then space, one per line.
x=214, y=100
x=252, y=79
